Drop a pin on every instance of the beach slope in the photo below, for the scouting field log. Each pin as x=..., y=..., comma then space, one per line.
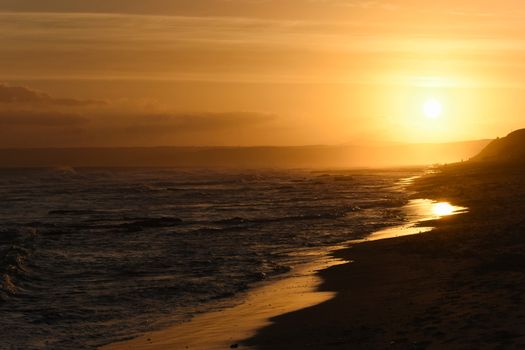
x=458, y=286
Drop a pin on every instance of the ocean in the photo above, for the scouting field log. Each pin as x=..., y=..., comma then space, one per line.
x=93, y=256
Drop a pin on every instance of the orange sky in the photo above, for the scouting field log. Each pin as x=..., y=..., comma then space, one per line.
x=258, y=72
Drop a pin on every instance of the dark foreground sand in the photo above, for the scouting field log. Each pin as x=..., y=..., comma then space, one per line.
x=461, y=286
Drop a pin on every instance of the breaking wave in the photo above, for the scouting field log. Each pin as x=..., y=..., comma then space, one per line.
x=89, y=257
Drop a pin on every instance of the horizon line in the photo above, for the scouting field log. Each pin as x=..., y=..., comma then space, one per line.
x=387, y=144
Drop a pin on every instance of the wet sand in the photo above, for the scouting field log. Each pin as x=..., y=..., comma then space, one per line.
x=460, y=286
x=226, y=327
x=297, y=291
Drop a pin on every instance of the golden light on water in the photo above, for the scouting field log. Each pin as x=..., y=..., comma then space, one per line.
x=418, y=211
x=442, y=209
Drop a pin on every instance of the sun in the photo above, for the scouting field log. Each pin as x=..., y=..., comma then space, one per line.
x=432, y=108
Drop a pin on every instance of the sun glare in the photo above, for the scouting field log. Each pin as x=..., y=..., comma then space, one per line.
x=442, y=209
x=432, y=108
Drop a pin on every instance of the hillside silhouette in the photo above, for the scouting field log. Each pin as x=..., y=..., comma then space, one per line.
x=509, y=149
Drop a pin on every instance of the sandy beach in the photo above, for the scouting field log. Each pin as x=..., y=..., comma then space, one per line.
x=226, y=327
x=459, y=286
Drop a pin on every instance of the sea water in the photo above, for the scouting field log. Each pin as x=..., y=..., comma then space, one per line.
x=93, y=256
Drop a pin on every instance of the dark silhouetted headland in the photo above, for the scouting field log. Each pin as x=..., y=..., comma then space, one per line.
x=510, y=149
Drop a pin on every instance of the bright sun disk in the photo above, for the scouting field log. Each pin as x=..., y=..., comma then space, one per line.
x=432, y=108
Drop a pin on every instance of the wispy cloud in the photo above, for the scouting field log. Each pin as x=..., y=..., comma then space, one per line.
x=143, y=122
x=130, y=46
x=22, y=95
x=361, y=4
x=10, y=119
x=30, y=118
x=249, y=8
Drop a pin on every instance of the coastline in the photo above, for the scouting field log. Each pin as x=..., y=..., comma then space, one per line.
x=226, y=327
x=459, y=287
x=301, y=289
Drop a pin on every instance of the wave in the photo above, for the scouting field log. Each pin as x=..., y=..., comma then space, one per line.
x=138, y=224
x=73, y=212
x=111, y=249
x=64, y=170
x=13, y=261
x=302, y=217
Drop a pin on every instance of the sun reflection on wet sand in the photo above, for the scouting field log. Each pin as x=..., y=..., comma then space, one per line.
x=443, y=209
x=417, y=211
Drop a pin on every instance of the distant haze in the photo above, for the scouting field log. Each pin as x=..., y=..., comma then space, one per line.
x=245, y=157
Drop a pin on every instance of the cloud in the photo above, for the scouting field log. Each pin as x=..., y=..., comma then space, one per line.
x=24, y=96
x=30, y=118
x=115, y=119
x=362, y=4
x=217, y=48
x=114, y=125
x=169, y=128
x=187, y=7
x=26, y=118
x=191, y=122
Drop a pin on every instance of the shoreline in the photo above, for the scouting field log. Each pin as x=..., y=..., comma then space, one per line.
x=460, y=287
x=227, y=327
x=295, y=291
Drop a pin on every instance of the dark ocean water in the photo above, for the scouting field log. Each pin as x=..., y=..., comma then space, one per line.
x=93, y=256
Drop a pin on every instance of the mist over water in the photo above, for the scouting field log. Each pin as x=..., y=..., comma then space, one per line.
x=93, y=256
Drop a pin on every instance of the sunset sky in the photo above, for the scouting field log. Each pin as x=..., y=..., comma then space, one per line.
x=258, y=72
